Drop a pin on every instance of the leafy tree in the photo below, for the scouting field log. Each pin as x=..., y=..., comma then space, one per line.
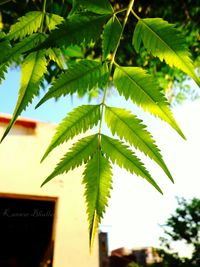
x=172, y=260
x=184, y=225
x=42, y=36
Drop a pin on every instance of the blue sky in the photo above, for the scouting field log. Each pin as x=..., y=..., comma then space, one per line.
x=136, y=209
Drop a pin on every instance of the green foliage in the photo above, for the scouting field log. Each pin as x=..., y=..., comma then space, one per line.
x=55, y=54
x=33, y=69
x=183, y=225
x=83, y=75
x=79, y=28
x=97, y=6
x=80, y=152
x=78, y=48
x=78, y=121
x=97, y=179
x=52, y=20
x=26, y=25
x=136, y=84
x=3, y=70
x=111, y=35
x=129, y=128
x=124, y=157
x=163, y=41
x=21, y=47
x=171, y=260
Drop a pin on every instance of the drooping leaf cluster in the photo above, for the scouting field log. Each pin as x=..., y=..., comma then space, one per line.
x=40, y=37
x=185, y=17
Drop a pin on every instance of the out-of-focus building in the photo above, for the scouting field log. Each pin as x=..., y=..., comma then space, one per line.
x=40, y=226
x=146, y=255
x=103, y=250
x=143, y=256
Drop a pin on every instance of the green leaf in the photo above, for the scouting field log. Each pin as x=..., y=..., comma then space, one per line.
x=3, y=70
x=73, y=51
x=111, y=36
x=135, y=83
x=78, y=121
x=52, y=20
x=124, y=157
x=128, y=127
x=83, y=75
x=26, y=25
x=21, y=47
x=97, y=180
x=33, y=69
x=77, y=29
x=97, y=6
x=79, y=153
x=162, y=40
x=55, y=54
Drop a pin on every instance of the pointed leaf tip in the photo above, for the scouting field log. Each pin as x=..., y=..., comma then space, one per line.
x=98, y=183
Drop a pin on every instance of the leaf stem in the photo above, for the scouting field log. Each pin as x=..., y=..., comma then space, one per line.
x=135, y=15
x=44, y=6
x=43, y=28
x=128, y=10
x=120, y=10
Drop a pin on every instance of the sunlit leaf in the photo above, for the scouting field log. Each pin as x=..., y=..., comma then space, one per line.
x=97, y=179
x=136, y=84
x=78, y=121
x=125, y=158
x=162, y=40
x=79, y=153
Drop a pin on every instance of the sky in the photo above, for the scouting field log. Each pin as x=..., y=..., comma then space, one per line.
x=136, y=210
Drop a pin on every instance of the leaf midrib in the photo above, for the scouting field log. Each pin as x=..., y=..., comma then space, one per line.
x=71, y=80
x=116, y=148
x=28, y=22
x=32, y=73
x=152, y=100
x=132, y=129
x=70, y=159
x=65, y=132
x=14, y=51
x=137, y=85
x=164, y=42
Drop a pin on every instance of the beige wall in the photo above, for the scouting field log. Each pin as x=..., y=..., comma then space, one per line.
x=21, y=173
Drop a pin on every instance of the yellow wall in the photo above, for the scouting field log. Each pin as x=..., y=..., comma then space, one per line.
x=21, y=173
